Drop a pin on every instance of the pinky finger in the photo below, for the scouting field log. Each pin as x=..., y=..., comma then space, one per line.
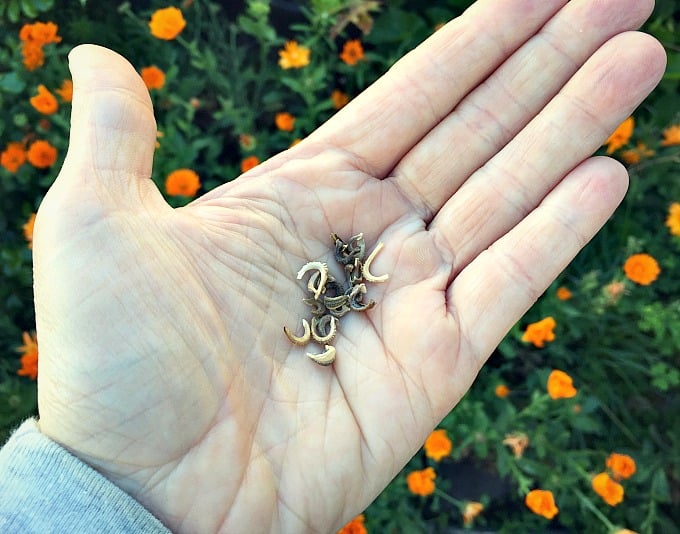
x=507, y=278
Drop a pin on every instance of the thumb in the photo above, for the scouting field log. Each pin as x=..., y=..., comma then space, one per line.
x=113, y=134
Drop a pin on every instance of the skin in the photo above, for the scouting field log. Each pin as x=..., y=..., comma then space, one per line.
x=162, y=358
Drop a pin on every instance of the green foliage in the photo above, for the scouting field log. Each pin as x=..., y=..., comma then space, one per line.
x=618, y=340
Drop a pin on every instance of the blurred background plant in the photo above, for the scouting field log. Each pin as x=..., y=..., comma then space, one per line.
x=574, y=424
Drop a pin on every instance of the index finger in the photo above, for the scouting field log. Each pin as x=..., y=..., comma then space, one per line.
x=426, y=84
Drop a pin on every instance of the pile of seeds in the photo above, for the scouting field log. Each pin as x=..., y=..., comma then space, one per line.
x=331, y=299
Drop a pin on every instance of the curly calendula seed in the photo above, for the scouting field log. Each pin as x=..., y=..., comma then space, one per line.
x=323, y=276
x=366, y=268
x=302, y=340
x=327, y=357
x=322, y=331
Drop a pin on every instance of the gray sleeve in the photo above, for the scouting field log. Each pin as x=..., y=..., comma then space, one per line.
x=45, y=489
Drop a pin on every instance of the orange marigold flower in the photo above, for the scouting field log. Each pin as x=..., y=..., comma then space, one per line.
x=671, y=135
x=563, y=293
x=45, y=102
x=182, y=182
x=517, y=443
x=13, y=157
x=472, y=509
x=355, y=526
x=673, y=219
x=339, y=99
x=641, y=269
x=285, y=121
x=33, y=54
x=167, y=23
x=421, y=482
x=620, y=136
x=65, y=92
x=29, y=356
x=540, y=332
x=153, y=77
x=502, y=391
x=633, y=156
x=610, y=490
x=41, y=154
x=437, y=445
x=541, y=502
x=249, y=163
x=28, y=230
x=621, y=465
x=39, y=33
x=352, y=52
x=293, y=56
x=560, y=385
x=624, y=531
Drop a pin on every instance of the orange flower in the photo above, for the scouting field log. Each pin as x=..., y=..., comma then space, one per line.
x=34, y=56
x=502, y=391
x=517, y=442
x=621, y=465
x=355, y=526
x=45, y=102
x=293, y=56
x=671, y=135
x=540, y=332
x=641, y=269
x=633, y=156
x=352, y=52
x=563, y=293
x=39, y=33
x=167, y=23
x=29, y=356
x=339, y=99
x=421, y=482
x=610, y=490
x=249, y=163
x=541, y=502
x=182, y=182
x=13, y=157
x=153, y=77
x=285, y=121
x=472, y=509
x=437, y=445
x=41, y=154
x=621, y=135
x=65, y=91
x=28, y=230
x=560, y=385
x=673, y=219
x=624, y=531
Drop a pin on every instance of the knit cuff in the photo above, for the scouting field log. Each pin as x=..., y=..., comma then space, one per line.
x=44, y=488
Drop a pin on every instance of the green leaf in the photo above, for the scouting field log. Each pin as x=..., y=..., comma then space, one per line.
x=11, y=83
x=660, y=490
x=14, y=11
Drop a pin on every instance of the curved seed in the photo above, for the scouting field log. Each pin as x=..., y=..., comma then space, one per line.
x=323, y=271
x=337, y=306
x=317, y=306
x=366, y=269
x=322, y=331
x=327, y=357
x=302, y=340
x=357, y=246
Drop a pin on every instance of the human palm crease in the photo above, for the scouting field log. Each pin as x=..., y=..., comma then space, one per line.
x=163, y=360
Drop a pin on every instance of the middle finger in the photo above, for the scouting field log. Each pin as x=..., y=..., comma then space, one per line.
x=491, y=115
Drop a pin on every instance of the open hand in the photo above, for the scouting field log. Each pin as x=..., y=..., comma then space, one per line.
x=163, y=361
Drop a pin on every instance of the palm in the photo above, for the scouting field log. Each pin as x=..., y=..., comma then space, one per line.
x=165, y=364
